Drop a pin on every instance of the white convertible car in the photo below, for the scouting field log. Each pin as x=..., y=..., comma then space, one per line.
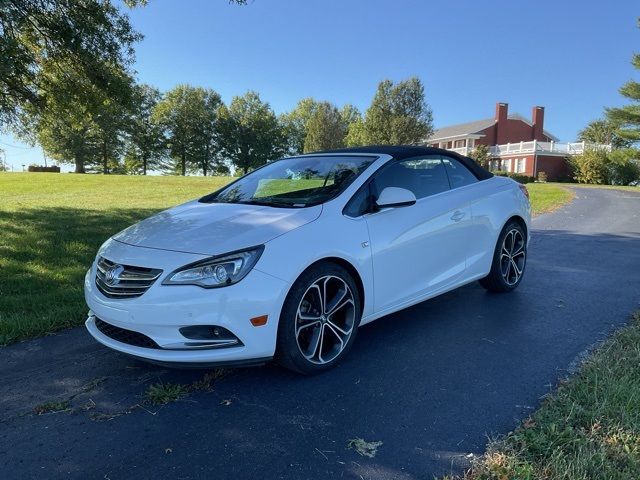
x=288, y=261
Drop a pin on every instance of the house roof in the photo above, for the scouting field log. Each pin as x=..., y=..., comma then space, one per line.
x=471, y=128
x=462, y=129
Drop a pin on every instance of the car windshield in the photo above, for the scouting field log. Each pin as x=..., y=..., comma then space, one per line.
x=294, y=182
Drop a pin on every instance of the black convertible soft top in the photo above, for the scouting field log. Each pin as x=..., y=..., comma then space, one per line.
x=401, y=152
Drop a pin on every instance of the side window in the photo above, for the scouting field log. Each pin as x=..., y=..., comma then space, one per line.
x=423, y=176
x=459, y=175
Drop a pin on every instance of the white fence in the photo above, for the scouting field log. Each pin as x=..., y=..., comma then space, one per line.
x=575, y=148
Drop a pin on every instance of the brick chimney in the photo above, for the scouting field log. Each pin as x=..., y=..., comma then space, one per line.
x=537, y=119
x=502, y=113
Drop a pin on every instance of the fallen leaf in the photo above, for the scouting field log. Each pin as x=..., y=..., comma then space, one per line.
x=225, y=402
x=366, y=449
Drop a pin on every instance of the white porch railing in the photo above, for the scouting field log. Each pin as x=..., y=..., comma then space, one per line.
x=575, y=148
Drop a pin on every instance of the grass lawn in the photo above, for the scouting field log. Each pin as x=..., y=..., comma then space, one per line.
x=51, y=226
x=588, y=429
x=546, y=197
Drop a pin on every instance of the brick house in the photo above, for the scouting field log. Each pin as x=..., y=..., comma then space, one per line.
x=515, y=143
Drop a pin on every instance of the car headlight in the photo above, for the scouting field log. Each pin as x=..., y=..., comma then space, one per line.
x=218, y=271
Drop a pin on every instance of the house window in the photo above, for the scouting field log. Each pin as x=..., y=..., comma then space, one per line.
x=459, y=144
x=520, y=164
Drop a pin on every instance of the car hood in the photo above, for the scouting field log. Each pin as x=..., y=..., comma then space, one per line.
x=215, y=228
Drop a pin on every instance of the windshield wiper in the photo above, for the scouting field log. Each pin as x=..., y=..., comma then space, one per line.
x=270, y=203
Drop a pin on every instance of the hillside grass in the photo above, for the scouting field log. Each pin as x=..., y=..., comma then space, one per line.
x=588, y=429
x=51, y=226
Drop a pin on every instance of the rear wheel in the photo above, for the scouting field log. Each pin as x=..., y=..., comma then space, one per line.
x=319, y=320
x=509, y=260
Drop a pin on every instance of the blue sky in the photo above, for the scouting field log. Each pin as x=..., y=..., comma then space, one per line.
x=569, y=56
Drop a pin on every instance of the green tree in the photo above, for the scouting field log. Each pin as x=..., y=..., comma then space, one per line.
x=604, y=131
x=352, y=121
x=624, y=167
x=481, y=155
x=3, y=160
x=146, y=143
x=112, y=119
x=628, y=116
x=65, y=126
x=84, y=39
x=326, y=129
x=294, y=124
x=398, y=115
x=83, y=128
x=249, y=132
x=187, y=116
x=207, y=153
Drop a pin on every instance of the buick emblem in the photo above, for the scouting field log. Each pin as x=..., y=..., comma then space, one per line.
x=112, y=276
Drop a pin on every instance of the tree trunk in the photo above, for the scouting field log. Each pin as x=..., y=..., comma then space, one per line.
x=204, y=168
x=144, y=166
x=184, y=163
x=79, y=165
x=105, y=161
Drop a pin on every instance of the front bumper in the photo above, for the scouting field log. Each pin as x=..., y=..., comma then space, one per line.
x=163, y=309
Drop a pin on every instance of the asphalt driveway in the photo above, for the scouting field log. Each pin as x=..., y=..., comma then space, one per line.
x=432, y=382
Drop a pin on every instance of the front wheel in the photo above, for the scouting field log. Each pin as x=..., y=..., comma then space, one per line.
x=509, y=260
x=319, y=320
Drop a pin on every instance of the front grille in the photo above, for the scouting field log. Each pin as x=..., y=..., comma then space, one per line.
x=123, y=281
x=125, y=336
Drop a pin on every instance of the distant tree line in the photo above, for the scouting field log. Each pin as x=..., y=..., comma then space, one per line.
x=67, y=84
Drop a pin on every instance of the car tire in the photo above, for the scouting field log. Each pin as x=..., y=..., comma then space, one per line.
x=319, y=319
x=509, y=260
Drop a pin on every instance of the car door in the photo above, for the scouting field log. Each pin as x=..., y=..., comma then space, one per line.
x=479, y=196
x=421, y=248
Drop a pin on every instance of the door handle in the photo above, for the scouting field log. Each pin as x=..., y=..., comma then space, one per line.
x=457, y=215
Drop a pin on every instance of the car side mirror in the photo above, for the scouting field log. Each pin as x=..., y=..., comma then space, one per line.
x=395, y=197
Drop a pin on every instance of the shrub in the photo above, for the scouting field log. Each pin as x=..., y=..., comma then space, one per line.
x=518, y=177
x=624, y=167
x=39, y=168
x=591, y=167
x=620, y=167
x=481, y=155
x=521, y=178
x=542, y=176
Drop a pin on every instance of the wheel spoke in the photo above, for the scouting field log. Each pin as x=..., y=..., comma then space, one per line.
x=307, y=325
x=515, y=267
x=518, y=250
x=339, y=329
x=315, y=342
x=336, y=334
x=509, y=237
x=319, y=296
x=332, y=306
x=337, y=308
x=320, y=344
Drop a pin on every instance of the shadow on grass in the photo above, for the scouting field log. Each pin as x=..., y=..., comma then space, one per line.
x=44, y=254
